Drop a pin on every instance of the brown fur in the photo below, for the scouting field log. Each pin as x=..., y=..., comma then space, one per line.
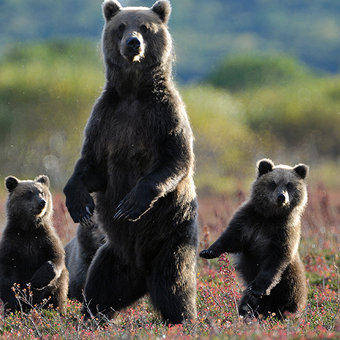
x=265, y=235
x=79, y=254
x=30, y=249
x=137, y=157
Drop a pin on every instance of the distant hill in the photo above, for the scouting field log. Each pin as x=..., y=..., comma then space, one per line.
x=204, y=31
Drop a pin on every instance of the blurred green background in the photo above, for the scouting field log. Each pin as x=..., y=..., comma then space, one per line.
x=260, y=78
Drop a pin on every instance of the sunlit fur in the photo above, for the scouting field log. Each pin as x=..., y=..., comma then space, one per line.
x=137, y=157
x=265, y=234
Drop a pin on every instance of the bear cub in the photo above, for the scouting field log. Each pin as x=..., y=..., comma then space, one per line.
x=265, y=235
x=30, y=249
x=79, y=254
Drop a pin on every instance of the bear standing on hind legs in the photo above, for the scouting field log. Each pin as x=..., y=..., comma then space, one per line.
x=265, y=234
x=30, y=249
x=137, y=158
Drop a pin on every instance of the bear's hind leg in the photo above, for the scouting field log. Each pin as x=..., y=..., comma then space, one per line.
x=58, y=298
x=110, y=284
x=172, y=284
x=7, y=296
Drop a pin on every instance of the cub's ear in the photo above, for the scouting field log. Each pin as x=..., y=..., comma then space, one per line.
x=264, y=165
x=302, y=170
x=111, y=8
x=11, y=182
x=43, y=179
x=163, y=9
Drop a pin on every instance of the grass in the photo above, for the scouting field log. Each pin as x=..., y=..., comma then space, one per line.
x=218, y=287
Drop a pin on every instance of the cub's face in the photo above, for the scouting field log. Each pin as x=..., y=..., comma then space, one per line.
x=279, y=189
x=136, y=34
x=29, y=199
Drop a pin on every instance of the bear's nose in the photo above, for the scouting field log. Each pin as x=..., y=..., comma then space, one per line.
x=281, y=199
x=42, y=204
x=133, y=43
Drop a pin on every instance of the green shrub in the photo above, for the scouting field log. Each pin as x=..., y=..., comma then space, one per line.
x=303, y=117
x=223, y=143
x=46, y=95
x=241, y=72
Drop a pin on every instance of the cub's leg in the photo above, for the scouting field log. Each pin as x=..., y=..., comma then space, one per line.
x=289, y=295
x=229, y=241
x=7, y=296
x=248, y=306
x=58, y=296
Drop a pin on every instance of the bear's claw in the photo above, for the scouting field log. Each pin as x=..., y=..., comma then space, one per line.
x=256, y=292
x=208, y=254
x=246, y=312
x=79, y=213
x=134, y=205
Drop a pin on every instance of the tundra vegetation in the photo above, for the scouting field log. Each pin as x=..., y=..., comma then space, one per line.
x=46, y=94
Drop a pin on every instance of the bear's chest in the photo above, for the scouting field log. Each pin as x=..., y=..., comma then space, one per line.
x=25, y=258
x=256, y=241
x=32, y=250
x=128, y=136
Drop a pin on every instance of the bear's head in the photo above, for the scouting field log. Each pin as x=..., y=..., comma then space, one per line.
x=134, y=35
x=28, y=200
x=279, y=189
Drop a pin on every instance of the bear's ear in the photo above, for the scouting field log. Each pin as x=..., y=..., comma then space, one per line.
x=43, y=179
x=110, y=8
x=264, y=165
x=302, y=170
x=11, y=183
x=163, y=9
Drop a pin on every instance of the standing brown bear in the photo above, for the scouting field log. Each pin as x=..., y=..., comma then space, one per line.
x=137, y=157
x=265, y=233
x=30, y=249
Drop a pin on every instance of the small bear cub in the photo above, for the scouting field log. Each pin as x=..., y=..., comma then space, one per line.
x=265, y=234
x=30, y=249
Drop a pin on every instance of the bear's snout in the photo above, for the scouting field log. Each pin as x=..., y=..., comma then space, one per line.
x=42, y=204
x=132, y=47
x=133, y=44
x=41, y=207
x=282, y=198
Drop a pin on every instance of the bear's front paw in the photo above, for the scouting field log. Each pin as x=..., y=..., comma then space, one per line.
x=135, y=204
x=255, y=291
x=209, y=254
x=246, y=312
x=43, y=276
x=80, y=205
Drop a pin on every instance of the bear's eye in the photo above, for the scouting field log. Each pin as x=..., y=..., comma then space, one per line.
x=272, y=185
x=121, y=27
x=143, y=28
x=289, y=185
x=29, y=194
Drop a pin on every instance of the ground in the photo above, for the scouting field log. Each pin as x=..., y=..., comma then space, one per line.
x=218, y=286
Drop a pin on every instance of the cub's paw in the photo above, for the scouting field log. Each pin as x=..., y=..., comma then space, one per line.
x=209, y=254
x=246, y=312
x=135, y=204
x=255, y=291
x=43, y=276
